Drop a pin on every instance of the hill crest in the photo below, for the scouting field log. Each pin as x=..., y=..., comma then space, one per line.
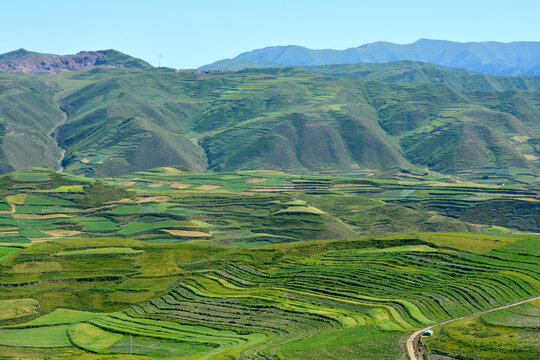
x=23, y=61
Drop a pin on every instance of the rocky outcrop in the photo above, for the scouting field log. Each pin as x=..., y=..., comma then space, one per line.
x=83, y=60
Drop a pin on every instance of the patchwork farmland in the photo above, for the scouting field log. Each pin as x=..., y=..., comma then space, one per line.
x=252, y=208
x=213, y=266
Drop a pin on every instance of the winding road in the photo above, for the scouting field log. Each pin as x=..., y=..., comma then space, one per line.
x=412, y=341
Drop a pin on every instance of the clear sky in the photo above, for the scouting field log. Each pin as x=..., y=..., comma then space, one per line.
x=188, y=34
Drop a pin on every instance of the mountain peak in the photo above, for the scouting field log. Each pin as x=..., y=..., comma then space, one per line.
x=21, y=54
x=23, y=61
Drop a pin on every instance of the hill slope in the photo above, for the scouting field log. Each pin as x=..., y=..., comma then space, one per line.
x=515, y=58
x=117, y=121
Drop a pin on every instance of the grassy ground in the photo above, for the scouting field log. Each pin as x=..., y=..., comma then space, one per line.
x=216, y=266
x=510, y=333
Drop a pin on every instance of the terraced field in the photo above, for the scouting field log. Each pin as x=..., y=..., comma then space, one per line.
x=319, y=299
x=252, y=208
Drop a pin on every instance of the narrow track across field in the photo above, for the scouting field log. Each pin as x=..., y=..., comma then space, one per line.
x=412, y=341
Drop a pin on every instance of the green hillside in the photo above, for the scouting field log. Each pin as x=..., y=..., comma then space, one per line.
x=28, y=116
x=490, y=336
x=118, y=121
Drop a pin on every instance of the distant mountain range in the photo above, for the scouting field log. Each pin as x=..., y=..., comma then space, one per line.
x=494, y=58
x=24, y=61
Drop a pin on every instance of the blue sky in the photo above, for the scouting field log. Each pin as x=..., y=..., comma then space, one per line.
x=187, y=34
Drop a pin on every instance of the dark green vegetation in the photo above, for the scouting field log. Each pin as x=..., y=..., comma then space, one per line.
x=318, y=299
x=510, y=333
x=515, y=58
x=252, y=208
x=117, y=121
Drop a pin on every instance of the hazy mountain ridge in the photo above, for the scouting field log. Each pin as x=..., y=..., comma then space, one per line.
x=416, y=72
x=23, y=61
x=494, y=58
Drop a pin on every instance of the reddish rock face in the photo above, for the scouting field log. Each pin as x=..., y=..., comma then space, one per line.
x=83, y=60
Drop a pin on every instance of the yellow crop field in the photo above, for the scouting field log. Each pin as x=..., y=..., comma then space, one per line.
x=180, y=186
x=11, y=309
x=39, y=217
x=61, y=232
x=186, y=233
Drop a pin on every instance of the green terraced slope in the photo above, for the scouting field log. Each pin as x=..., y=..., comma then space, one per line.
x=252, y=208
x=304, y=300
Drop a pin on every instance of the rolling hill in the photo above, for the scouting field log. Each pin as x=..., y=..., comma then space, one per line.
x=494, y=58
x=341, y=118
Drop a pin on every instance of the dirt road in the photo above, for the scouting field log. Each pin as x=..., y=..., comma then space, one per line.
x=412, y=341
